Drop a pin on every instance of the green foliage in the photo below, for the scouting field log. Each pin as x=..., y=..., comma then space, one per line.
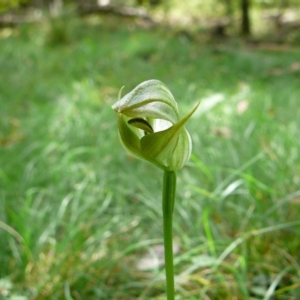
x=9, y=4
x=70, y=230
x=58, y=33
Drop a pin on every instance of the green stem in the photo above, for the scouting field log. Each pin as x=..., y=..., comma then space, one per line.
x=168, y=197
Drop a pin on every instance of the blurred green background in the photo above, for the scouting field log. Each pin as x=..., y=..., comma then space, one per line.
x=80, y=218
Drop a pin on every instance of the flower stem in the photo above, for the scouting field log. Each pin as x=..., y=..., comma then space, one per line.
x=168, y=197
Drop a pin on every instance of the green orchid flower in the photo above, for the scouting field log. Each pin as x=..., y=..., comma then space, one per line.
x=150, y=127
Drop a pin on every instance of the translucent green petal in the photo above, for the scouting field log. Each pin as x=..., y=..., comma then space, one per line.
x=160, y=146
x=130, y=140
x=129, y=137
x=182, y=151
x=150, y=99
x=171, y=147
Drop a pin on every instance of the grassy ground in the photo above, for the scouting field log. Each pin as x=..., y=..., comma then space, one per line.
x=77, y=214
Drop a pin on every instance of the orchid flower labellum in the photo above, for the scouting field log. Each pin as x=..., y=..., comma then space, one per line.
x=150, y=128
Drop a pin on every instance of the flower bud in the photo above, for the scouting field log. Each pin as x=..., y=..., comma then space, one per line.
x=150, y=128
